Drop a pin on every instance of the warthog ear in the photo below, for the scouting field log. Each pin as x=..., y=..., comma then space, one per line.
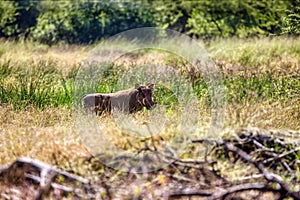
x=137, y=86
x=151, y=86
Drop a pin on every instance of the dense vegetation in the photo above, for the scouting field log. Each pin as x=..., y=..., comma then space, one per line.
x=44, y=83
x=254, y=70
x=87, y=21
x=254, y=45
x=37, y=119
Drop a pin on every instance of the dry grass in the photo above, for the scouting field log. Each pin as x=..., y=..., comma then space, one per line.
x=48, y=135
x=265, y=115
x=65, y=57
x=257, y=56
x=51, y=134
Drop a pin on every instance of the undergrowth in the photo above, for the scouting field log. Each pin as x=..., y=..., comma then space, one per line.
x=261, y=77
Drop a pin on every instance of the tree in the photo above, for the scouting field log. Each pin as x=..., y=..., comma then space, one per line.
x=17, y=17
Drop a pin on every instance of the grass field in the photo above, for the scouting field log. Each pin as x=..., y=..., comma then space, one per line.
x=261, y=77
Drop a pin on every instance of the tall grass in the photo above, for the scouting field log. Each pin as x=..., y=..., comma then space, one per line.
x=40, y=85
x=257, y=52
x=262, y=88
x=254, y=70
x=261, y=76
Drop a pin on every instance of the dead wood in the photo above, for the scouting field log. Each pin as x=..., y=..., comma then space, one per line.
x=180, y=178
x=46, y=176
x=269, y=176
x=221, y=193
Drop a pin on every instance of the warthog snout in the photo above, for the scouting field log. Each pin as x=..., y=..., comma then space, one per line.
x=149, y=105
x=145, y=96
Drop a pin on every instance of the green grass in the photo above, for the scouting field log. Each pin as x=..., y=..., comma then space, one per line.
x=39, y=85
x=261, y=77
x=254, y=71
x=43, y=84
x=263, y=87
x=257, y=53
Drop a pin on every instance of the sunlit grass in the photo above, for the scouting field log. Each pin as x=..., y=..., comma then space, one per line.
x=255, y=51
x=261, y=77
x=40, y=85
x=63, y=56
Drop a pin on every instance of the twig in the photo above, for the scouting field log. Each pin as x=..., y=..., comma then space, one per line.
x=53, y=185
x=224, y=192
x=255, y=176
x=203, y=193
x=182, y=178
x=286, y=166
x=239, y=188
x=262, y=146
x=282, y=155
x=268, y=175
x=29, y=167
x=47, y=177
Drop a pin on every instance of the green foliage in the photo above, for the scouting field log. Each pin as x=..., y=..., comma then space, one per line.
x=292, y=20
x=87, y=21
x=8, y=14
x=236, y=18
x=17, y=18
x=165, y=96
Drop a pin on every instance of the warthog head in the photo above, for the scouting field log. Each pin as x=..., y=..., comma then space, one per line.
x=144, y=96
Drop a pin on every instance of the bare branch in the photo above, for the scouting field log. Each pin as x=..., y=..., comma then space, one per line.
x=268, y=175
x=282, y=155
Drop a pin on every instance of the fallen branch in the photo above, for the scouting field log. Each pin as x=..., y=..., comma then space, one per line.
x=45, y=175
x=259, y=146
x=203, y=193
x=282, y=155
x=240, y=188
x=271, y=177
x=221, y=194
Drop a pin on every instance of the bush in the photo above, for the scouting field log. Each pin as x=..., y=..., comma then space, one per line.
x=236, y=18
x=87, y=21
x=17, y=18
x=84, y=21
x=292, y=20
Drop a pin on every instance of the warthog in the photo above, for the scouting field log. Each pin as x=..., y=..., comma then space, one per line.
x=129, y=101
